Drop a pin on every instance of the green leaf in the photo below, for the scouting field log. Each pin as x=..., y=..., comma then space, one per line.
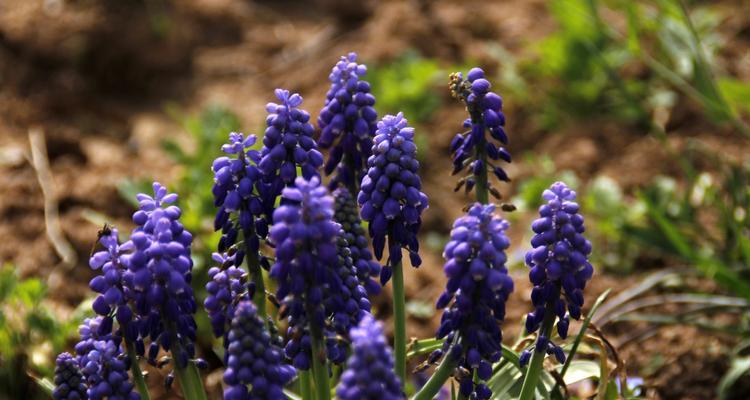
x=579, y=370
x=45, y=384
x=582, y=332
x=736, y=92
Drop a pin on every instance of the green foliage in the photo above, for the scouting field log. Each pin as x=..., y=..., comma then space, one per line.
x=407, y=85
x=30, y=333
x=677, y=223
x=588, y=69
x=208, y=132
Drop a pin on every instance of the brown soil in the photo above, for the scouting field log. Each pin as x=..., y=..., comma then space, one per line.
x=95, y=76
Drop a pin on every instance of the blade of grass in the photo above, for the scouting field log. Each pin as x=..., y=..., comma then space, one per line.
x=581, y=333
x=688, y=298
x=635, y=291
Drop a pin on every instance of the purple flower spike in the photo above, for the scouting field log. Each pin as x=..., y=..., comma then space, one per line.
x=69, y=383
x=390, y=196
x=317, y=283
x=369, y=372
x=287, y=144
x=471, y=149
x=347, y=123
x=159, y=275
x=237, y=193
x=104, y=364
x=347, y=214
x=115, y=296
x=253, y=358
x=558, y=265
x=227, y=284
x=474, y=300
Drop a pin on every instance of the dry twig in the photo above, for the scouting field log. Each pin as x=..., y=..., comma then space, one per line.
x=40, y=163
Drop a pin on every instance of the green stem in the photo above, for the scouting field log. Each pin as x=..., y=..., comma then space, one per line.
x=256, y=274
x=189, y=377
x=135, y=370
x=305, y=386
x=319, y=364
x=438, y=378
x=535, y=366
x=399, y=316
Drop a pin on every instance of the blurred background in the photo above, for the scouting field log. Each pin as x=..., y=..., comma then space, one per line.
x=641, y=106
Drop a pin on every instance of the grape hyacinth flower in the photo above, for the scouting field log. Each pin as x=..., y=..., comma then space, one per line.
x=287, y=144
x=113, y=296
x=226, y=286
x=235, y=194
x=242, y=200
x=474, y=299
x=106, y=371
x=558, y=265
x=472, y=149
x=69, y=384
x=253, y=358
x=369, y=371
x=347, y=123
x=390, y=195
x=319, y=295
x=160, y=273
x=347, y=214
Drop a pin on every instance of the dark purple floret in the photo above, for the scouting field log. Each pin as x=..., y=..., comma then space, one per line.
x=474, y=300
x=347, y=123
x=69, y=383
x=114, y=296
x=558, y=265
x=390, y=194
x=227, y=285
x=369, y=371
x=471, y=149
x=236, y=195
x=255, y=365
x=288, y=144
x=347, y=214
x=159, y=274
x=315, y=287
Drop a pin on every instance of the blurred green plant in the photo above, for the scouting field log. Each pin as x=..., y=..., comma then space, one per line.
x=588, y=69
x=703, y=223
x=407, y=85
x=30, y=334
x=208, y=132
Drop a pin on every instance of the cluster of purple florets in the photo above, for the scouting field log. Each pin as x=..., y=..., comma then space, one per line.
x=559, y=266
x=160, y=273
x=390, y=194
x=227, y=284
x=347, y=123
x=369, y=371
x=114, y=295
x=287, y=144
x=347, y=214
x=240, y=204
x=472, y=149
x=477, y=289
x=316, y=289
x=253, y=358
x=103, y=364
x=69, y=384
